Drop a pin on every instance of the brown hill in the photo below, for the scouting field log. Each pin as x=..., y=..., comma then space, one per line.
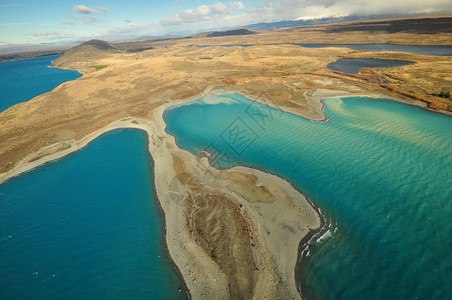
x=232, y=32
x=86, y=53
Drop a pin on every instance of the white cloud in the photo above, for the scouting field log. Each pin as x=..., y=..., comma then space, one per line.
x=182, y=2
x=305, y=9
x=50, y=37
x=218, y=16
x=200, y=14
x=232, y=14
x=46, y=33
x=238, y=5
x=103, y=9
x=13, y=24
x=81, y=9
x=129, y=28
x=68, y=23
x=91, y=20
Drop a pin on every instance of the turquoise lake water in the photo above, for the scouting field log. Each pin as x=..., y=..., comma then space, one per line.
x=25, y=79
x=381, y=172
x=87, y=226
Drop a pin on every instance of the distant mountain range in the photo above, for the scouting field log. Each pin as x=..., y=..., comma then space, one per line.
x=320, y=21
x=416, y=24
x=18, y=48
x=299, y=23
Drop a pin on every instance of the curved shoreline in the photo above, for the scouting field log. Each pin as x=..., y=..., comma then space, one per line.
x=65, y=72
x=152, y=81
x=184, y=289
x=303, y=248
x=314, y=234
x=58, y=151
x=311, y=236
x=37, y=159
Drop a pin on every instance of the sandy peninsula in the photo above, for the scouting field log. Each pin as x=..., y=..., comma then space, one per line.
x=227, y=231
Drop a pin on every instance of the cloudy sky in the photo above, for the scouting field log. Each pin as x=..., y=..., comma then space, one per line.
x=59, y=21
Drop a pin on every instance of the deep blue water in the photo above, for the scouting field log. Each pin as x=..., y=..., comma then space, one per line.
x=87, y=226
x=416, y=49
x=381, y=172
x=354, y=65
x=25, y=79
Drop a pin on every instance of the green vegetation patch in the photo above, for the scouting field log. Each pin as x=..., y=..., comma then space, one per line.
x=99, y=67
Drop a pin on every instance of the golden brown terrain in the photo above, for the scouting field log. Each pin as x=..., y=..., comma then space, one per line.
x=222, y=230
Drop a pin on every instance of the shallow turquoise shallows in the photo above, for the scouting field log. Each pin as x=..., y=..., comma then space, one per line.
x=381, y=172
x=25, y=79
x=87, y=226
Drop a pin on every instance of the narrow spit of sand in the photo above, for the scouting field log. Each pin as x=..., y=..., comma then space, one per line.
x=275, y=216
x=267, y=214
